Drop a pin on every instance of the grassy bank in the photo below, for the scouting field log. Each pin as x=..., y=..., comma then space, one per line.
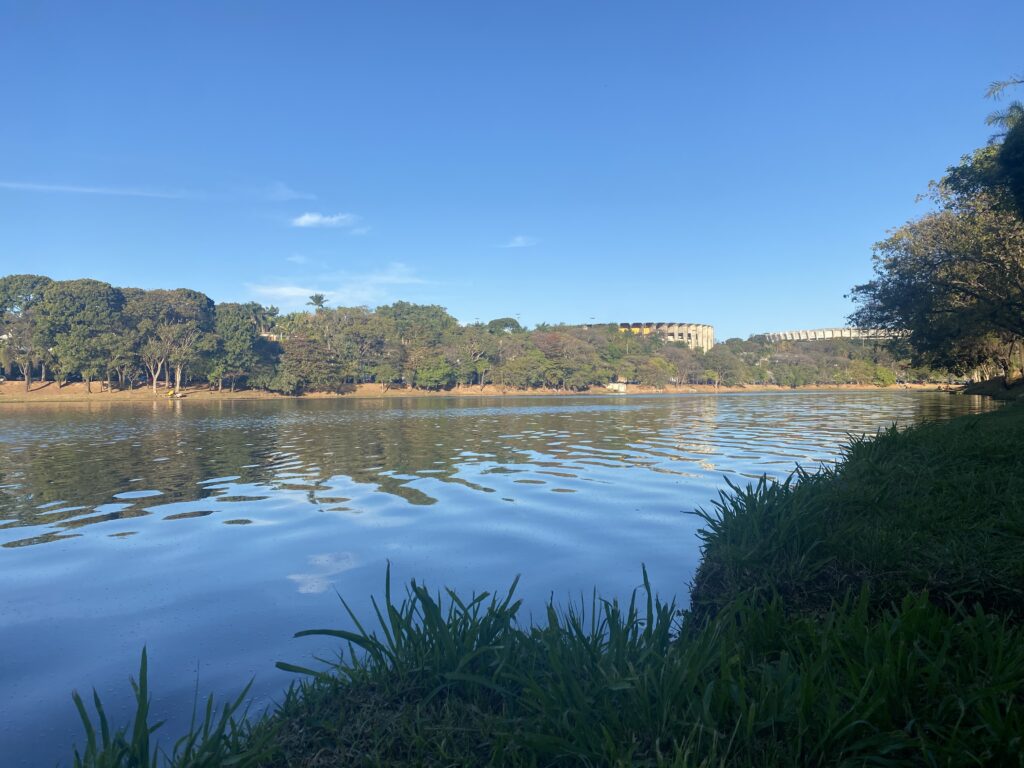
x=997, y=389
x=867, y=615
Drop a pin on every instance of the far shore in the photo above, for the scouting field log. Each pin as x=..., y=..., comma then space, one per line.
x=49, y=392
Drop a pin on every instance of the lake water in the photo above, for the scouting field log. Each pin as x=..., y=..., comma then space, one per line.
x=211, y=532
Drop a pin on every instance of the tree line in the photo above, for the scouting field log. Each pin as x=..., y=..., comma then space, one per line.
x=87, y=330
x=951, y=282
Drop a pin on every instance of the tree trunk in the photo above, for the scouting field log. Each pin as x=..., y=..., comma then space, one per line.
x=167, y=376
x=177, y=378
x=155, y=374
x=27, y=370
x=42, y=372
x=110, y=381
x=88, y=385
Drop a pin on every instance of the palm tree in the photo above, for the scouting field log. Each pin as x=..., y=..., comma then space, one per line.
x=1010, y=158
x=317, y=300
x=1014, y=112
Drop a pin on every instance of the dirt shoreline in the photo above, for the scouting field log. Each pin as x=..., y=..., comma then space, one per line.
x=48, y=392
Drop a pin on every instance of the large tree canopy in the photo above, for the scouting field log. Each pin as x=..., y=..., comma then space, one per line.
x=79, y=320
x=951, y=283
x=1009, y=157
x=947, y=282
x=19, y=292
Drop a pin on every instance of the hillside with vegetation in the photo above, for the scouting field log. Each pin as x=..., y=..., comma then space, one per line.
x=90, y=331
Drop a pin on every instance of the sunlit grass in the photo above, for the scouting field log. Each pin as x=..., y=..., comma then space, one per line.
x=937, y=507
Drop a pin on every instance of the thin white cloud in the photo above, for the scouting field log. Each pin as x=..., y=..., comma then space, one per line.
x=324, y=567
x=281, y=192
x=29, y=186
x=341, y=220
x=520, y=241
x=340, y=288
x=297, y=258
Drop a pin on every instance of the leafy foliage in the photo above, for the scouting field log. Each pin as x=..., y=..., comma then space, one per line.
x=88, y=330
x=950, y=284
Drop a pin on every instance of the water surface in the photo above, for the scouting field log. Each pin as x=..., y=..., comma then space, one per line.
x=212, y=531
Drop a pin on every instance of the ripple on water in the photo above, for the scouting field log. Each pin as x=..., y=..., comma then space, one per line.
x=218, y=530
x=138, y=494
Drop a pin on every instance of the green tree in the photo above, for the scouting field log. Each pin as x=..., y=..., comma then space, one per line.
x=386, y=374
x=504, y=325
x=522, y=370
x=727, y=365
x=77, y=318
x=186, y=330
x=147, y=312
x=948, y=279
x=951, y=283
x=1008, y=163
x=237, y=351
x=418, y=325
x=121, y=350
x=20, y=292
x=883, y=377
x=474, y=350
x=20, y=342
x=306, y=366
x=19, y=295
x=656, y=372
x=434, y=371
x=570, y=362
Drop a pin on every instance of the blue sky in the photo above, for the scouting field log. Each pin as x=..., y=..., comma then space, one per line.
x=728, y=163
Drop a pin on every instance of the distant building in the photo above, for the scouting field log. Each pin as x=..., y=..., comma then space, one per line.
x=694, y=335
x=820, y=334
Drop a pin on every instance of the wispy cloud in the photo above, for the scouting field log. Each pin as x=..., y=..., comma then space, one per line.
x=297, y=258
x=340, y=220
x=74, y=189
x=281, y=192
x=340, y=288
x=324, y=567
x=520, y=241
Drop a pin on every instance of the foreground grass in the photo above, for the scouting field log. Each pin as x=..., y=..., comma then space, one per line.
x=938, y=507
x=868, y=615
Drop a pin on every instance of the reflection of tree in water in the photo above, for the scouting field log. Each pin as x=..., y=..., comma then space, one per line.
x=61, y=468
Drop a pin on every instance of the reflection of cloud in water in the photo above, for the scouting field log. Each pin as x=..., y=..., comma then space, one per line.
x=327, y=564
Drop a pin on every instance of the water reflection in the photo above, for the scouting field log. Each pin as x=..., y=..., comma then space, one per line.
x=324, y=566
x=213, y=532
x=68, y=472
